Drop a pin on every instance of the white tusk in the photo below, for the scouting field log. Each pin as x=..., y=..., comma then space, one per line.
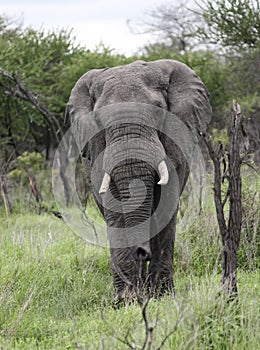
x=105, y=183
x=164, y=174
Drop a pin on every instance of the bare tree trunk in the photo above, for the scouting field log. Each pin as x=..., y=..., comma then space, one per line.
x=232, y=237
x=230, y=228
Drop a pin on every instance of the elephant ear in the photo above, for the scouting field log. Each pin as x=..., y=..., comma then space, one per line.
x=85, y=127
x=188, y=102
x=79, y=110
x=187, y=96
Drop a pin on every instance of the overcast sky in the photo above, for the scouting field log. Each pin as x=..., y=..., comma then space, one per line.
x=92, y=21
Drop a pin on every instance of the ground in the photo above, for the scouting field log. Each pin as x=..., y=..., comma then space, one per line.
x=56, y=293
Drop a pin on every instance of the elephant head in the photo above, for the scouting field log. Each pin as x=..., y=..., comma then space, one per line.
x=133, y=162
x=131, y=140
x=126, y=113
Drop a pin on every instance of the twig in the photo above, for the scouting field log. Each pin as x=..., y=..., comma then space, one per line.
x=214, y=155
x=176, y=325
x=89, y=222
x=124, y=340
x=149, y=329
x=72, y=316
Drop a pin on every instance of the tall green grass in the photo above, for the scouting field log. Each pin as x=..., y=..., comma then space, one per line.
x=56, y=293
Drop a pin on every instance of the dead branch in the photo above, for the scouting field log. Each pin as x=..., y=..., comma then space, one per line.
x=217, y=187
x=23, y=93
x=143, y=299
x=20, y=91
x=230, y=228
x=88, y=221
x=35, y=191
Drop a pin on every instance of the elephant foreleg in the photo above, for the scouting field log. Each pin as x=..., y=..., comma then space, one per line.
x=161, y=265
x=128, y=272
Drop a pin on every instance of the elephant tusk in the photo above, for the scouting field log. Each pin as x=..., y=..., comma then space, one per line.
x=105, y=183
x=164, y=174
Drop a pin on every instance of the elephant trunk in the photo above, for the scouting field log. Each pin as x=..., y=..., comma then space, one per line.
x=136, y=203
x=133, y=158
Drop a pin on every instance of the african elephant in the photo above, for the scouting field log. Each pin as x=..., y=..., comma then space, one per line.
x=131, y=157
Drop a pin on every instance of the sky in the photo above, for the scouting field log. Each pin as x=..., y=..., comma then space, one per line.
x=92, y=21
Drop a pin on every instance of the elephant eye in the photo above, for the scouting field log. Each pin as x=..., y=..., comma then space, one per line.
x=159, y=104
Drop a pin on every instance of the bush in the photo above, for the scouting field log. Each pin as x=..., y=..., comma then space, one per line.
x=20, y=193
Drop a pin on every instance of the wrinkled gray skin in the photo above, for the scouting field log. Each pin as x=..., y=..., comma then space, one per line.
x=172, y=86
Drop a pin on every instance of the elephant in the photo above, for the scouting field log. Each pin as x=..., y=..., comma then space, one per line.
x=130, y=156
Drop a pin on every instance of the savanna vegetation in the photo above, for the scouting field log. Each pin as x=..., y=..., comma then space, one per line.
x=56, y=289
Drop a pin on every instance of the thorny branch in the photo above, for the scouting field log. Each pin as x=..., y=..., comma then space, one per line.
x=215, y=156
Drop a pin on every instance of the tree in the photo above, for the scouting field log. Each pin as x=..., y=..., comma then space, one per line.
x=32, y=62
x=231, y=23
x=174, y=27
x=37, y=73
x=41, y=69
x=230, y=228
x=235, y=26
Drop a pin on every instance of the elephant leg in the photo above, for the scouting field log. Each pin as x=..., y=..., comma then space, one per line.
x=127, y=271
x=162, y=243
x=161, y=265
x=128, y=274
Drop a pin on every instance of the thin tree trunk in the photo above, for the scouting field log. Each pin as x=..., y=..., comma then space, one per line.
x=232, y=235
x=230, y=228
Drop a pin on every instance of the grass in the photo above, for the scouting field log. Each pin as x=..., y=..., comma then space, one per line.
x=56, y=293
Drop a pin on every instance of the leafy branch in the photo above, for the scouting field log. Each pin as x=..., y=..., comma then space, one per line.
x=20, y=91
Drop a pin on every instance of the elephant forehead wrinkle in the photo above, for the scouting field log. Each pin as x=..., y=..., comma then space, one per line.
x=133, y=168
x=127, y=113
x=126, y=131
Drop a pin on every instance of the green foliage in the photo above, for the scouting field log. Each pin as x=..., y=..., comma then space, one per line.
x=235, y=25
x=26, y=162
x=47, y=65
x=35, y=59
x=198, y=246
x=228, y=74
x=243, y=80
x=233, y=22
x=249, y=253
x=56, y=291
x=220, y=136
x=19, y=190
